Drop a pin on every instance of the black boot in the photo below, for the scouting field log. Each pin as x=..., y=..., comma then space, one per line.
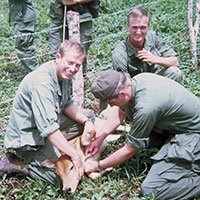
x=10, y=164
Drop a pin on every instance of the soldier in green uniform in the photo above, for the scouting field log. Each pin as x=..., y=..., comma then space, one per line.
x=87, y=10
x=174, y=113
x=144, y=51
x=23, y=15
x=44, y=117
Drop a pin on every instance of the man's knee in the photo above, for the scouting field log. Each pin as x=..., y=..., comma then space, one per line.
x=174, y=73
x=146, y=189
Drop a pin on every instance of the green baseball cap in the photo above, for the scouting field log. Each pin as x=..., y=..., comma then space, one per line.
x=104, y=86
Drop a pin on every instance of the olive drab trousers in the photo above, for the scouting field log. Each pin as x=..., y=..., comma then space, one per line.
x=23, y=15
x=175, y=173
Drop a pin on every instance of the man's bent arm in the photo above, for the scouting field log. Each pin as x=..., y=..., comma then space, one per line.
x=61, y=143
x=74, y=113
x=147, y=56
x=118, y=157
x=168, y=61
x=114, y=120
x=114, y=159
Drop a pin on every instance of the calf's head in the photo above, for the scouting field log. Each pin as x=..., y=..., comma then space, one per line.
x=67, y=172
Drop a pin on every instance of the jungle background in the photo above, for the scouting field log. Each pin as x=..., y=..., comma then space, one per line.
x=168, y=18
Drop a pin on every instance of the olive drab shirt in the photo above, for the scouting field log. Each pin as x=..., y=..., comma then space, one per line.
x=163, y=104
x=37, y=107
x=124, y=56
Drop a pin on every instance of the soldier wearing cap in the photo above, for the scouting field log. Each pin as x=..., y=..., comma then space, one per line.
x=144, y=50
x=173, y=115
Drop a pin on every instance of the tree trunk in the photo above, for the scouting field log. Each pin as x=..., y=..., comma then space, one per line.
x=193, y=30
x=73, y=20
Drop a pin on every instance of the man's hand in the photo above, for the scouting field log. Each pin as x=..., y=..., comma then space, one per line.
x=69, y=2
x=90, y=166
x=147, y=56
x=78, y=166
x=89, y=128
x=93, y=148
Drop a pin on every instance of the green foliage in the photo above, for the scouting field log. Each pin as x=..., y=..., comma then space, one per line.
x=168, y=17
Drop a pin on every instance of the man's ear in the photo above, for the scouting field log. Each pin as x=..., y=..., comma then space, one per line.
x=122, y=93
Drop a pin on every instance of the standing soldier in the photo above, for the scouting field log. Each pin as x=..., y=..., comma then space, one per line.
x=23, y=15
x=87, y=10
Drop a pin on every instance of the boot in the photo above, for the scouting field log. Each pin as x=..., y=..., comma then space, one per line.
x=10, y=164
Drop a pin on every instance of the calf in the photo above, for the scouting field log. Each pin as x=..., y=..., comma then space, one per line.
x=64, y=165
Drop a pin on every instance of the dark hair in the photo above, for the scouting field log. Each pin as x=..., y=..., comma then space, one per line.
x=68, y=44
x=138, y=13
x=123, y=84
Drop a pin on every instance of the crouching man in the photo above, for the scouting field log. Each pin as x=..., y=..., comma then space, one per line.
x=44, y=117
x=157, y=106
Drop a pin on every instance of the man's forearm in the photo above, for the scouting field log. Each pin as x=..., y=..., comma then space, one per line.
x=168, y=61
x=61, y=143
x=74, y=113
x=118, y=157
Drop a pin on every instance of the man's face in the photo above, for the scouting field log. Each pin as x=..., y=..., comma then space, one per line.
x=138, y=28
x=68, y=65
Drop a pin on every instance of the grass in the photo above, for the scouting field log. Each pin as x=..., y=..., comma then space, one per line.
x=168, y=17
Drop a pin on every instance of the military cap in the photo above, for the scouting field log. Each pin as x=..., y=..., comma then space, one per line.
x=104, y=86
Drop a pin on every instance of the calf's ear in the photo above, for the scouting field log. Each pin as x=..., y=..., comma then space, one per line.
x=49, y=163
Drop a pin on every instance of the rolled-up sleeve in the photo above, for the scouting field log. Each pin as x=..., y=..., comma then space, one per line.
x=143, y=122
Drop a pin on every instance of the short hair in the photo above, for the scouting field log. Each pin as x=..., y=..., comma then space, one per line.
x=69, y=44
x=123, y=84
x=138, y=13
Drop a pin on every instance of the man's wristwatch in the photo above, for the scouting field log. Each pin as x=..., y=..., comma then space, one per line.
x=99, y=167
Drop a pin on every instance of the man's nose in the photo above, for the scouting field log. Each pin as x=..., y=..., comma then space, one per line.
x=73, y=68
x=138, y=30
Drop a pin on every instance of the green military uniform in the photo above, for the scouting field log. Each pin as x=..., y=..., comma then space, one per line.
x=37, y=112
x=175, y=174
x=56, y=30
x=124, y=57
x=23, y=16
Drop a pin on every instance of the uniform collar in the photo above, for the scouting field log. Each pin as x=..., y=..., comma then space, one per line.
x=132, y=101
x=133, y=51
